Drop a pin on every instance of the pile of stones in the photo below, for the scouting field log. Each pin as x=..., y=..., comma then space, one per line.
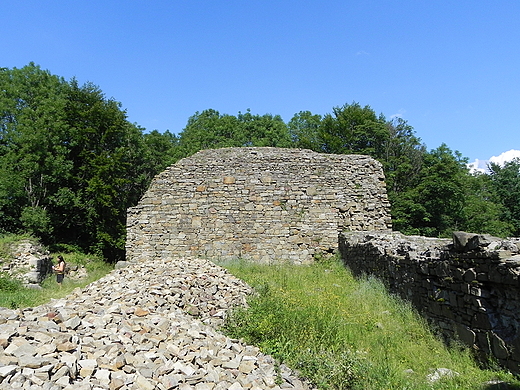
x=144, y=326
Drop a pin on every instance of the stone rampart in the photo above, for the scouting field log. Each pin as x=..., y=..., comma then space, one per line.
x=468, y=287
x=260, y=204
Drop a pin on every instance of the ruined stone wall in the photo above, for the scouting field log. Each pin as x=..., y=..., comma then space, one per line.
x=469, y=287
x=27, y=261
x=261, y=204
x=30, y=262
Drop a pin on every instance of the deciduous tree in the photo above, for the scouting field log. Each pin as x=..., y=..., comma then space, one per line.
x=210, y=130
x=434, y=207
x=353, y=129
x=506, y=183
x=304, y=130
x=70, y=162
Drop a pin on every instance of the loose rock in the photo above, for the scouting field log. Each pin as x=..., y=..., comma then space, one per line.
x=132, y=330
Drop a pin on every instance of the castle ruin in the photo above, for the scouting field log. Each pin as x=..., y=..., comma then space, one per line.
x=270, y=205
x=259, y=204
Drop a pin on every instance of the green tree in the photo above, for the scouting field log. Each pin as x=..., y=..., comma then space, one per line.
x=483, y=212
x=107, y=175
x=402, y=156
x=32, y=125
x=506, y=183
x=210, y=130
x=162, y=151
x=304, y=130
x=434, y=207
x=353, y=129
x=262, y=130
x=70, y=162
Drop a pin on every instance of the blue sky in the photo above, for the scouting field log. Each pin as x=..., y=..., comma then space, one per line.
x=450, y=68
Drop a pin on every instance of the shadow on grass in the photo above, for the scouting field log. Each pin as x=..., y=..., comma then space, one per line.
x=501, y=386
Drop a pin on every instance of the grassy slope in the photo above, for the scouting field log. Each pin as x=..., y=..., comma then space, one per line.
x=344, y=333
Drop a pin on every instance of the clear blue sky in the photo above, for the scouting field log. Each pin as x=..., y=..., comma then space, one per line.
x=450, y=68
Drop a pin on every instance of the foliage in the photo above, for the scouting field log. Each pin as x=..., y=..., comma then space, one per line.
x=506, y=183
x=304, y=130
x=161, y=152
x=344, y=333
x=210, y=130
x=434, y=206
x=353, y=129
x=483, y=211
x=402, y=156
x=8, y=285
x=70, y=162
x=31, y=121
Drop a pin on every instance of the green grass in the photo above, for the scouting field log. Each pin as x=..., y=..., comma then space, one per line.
x=343, y=333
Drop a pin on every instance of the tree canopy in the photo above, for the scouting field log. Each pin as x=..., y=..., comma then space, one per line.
x=506, y=184
x=209, y=130
x=70, y=162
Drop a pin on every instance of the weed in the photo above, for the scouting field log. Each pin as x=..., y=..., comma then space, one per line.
x=8, y=285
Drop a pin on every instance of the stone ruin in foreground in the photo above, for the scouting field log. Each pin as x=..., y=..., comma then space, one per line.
x=260, y=204
x=268, y=205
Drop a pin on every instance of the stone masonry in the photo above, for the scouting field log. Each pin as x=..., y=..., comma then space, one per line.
x=468, y=287
x=260, y=204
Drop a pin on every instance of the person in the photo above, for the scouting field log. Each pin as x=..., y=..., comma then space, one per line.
x=60, y=270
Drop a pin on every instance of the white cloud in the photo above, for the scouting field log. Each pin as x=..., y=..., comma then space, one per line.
x=482, y=165
x=505, y=157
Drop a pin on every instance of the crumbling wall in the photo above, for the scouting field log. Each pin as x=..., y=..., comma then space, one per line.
x=27, y=261
x=468, y=287
x=261, y=204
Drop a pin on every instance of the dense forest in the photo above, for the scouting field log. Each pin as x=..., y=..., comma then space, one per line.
x=71, y=163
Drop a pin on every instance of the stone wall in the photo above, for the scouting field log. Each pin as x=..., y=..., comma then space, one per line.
x=468, y=287
x=261, y=204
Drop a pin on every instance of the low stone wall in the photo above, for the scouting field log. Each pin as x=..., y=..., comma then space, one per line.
x=260, y=204
x=468, y=287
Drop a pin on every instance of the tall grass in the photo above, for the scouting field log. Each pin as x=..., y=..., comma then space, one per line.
x=343, y=333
